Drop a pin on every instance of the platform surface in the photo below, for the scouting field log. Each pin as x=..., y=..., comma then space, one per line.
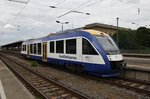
x=10, y=86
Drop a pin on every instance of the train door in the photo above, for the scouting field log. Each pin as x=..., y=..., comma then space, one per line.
x=28, y=49
x=44, y=46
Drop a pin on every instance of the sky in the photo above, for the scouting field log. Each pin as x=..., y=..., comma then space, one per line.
x=26, y=19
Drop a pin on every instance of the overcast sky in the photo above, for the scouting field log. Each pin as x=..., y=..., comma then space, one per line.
x=20, y=21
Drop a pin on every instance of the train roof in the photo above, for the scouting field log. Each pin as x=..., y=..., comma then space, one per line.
x=66, y=32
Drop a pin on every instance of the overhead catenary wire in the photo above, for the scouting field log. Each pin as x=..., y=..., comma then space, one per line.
x=75, y=8
x=92, y=4
x=19, y=10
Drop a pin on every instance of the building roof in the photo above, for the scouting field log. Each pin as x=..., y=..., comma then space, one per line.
x=106, y=26
x=12, y=44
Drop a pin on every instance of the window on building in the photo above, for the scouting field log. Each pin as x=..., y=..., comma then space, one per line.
x=60, y=46
x=31, y=48
x=71, y=46
x=39, y=48
x=34, y=49
x=87, y=48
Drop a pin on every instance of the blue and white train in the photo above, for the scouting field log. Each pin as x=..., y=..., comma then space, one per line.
x=90, y=51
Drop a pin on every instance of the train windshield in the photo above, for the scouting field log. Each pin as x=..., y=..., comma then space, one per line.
x=108, y=44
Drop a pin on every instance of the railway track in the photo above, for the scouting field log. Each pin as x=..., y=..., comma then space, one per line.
x=136, y=86
x=41, y=85
x=140, y=87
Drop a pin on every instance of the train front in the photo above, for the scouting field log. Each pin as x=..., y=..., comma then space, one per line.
x=113, y=53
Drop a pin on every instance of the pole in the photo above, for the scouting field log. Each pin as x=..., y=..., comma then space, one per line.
x=62, y=23
x=117, y=31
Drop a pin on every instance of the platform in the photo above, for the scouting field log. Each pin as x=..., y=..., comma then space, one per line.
x=10, y=86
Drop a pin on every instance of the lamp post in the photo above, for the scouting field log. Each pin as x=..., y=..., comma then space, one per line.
x=62, y=23
x=117, y=30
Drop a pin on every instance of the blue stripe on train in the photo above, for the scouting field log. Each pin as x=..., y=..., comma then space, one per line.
x=94, y=69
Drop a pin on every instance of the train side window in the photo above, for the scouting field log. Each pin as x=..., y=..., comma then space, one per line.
x=24, y=47
x=35, y=49
x=52, y=47
x=71, y=46
x=87, y=48
x=60, y=46
x=31, y=49
x=39, y=48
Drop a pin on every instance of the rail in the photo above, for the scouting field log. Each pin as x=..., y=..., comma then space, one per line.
x=41, y=85
x=136, y=55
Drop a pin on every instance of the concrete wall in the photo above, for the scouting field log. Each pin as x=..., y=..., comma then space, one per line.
x=142, y=75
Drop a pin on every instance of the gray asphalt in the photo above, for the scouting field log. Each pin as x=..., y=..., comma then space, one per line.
x=133, y=61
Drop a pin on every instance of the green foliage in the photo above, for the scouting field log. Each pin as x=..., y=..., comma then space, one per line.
x=143, y=36
x=133, y=39
x=34, y=63
x=127, y=39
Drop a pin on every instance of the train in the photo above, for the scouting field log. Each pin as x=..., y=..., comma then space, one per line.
x=81, y=50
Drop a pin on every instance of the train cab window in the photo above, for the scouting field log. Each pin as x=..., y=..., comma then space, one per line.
x=31, y=48
x=87, y=48
x=35, y=49
x=71, y=46
x=60, y=46
x=52, y=47
x=39, y=48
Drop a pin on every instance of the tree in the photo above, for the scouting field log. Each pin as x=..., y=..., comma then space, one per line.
x=127, y=39
x=143, y=37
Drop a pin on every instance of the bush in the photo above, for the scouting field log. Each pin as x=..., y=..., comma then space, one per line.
x=34, y=63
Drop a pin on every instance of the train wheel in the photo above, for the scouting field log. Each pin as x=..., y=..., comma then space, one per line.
x=80, y=69
x=71, y=67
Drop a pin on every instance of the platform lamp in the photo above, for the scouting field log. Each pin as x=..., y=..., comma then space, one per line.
x=62, y=23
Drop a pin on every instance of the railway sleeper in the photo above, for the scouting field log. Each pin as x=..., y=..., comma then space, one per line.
x=51, y=90
x=43, y=85
x=39, y=80
x=43, y=88
x=50, y=95
x=46, y=88
x=35, y=80
x=66, y=96
x=59, y=94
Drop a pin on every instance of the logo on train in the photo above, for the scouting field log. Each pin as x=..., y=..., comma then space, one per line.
x=66, y=56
